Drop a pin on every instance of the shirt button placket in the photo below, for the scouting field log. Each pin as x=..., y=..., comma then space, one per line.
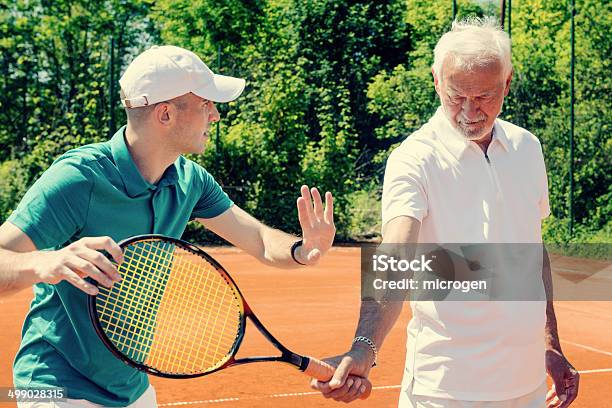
x=154, y=201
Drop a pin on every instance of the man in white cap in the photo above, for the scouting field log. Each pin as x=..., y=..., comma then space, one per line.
x=468, y=177
x=136, y=183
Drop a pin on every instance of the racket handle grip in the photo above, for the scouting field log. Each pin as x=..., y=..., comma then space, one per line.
x=319, y=369
x=324, y=372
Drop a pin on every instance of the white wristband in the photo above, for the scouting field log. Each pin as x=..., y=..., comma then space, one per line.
x=369, y=343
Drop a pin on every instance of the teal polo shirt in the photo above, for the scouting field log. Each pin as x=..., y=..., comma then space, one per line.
x=97, y=190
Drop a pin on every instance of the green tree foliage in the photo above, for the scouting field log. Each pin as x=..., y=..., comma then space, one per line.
x=540, y=101
x=304, y=114
x=54, y=62
x=205, y=26
x=332, y=87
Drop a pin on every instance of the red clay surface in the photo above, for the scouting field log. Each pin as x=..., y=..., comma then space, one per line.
x=314, y=311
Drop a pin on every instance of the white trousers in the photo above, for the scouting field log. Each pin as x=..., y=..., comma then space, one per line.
x=535, y=399
x=146, y=400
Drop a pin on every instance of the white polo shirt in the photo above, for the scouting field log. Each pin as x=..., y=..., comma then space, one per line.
x=471, y=350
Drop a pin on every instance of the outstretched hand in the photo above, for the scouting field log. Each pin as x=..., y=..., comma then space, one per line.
x=317, y=224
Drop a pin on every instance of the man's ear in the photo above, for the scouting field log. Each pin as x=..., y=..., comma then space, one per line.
x=508, y=82
x=436, y=81
x=163, y=114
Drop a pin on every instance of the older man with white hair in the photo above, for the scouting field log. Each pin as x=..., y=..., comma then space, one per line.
x=466, y=177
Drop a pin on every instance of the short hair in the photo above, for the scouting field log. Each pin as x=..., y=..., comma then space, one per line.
x=474, y=42
x=139, y=115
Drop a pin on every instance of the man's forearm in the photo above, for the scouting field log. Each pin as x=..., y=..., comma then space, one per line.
x=375, y=321
x=16, y=271
x=551, y=335
x=377, y=317
x=277, y=248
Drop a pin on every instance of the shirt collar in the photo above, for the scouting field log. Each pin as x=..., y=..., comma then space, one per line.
x=500, y=135
x=454, y=141
x=170, y=176
x=133, y=181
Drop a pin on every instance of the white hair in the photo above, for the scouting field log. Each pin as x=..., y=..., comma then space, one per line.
x=471, y=43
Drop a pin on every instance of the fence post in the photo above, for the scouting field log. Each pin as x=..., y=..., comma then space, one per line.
x=218, y=132
x=111, y=87
x=571, y=136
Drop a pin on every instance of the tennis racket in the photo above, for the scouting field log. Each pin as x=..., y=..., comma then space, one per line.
x=177, y=313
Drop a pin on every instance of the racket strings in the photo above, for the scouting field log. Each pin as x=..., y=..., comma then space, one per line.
x=172, y=311
x=191, y=336
x=127, y=312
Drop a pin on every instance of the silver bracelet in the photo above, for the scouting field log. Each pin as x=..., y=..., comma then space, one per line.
x=369, y=343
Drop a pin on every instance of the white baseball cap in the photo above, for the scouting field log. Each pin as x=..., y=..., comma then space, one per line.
x=165, y=72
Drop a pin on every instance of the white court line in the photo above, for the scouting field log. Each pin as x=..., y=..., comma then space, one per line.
x=307, y=394
x=284, y=395
x=601, y=370
x=607, y=353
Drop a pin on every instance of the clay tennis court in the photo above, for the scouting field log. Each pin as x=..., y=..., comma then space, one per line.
x=314, y=311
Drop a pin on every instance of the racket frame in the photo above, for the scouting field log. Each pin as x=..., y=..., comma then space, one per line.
x=287, y=356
